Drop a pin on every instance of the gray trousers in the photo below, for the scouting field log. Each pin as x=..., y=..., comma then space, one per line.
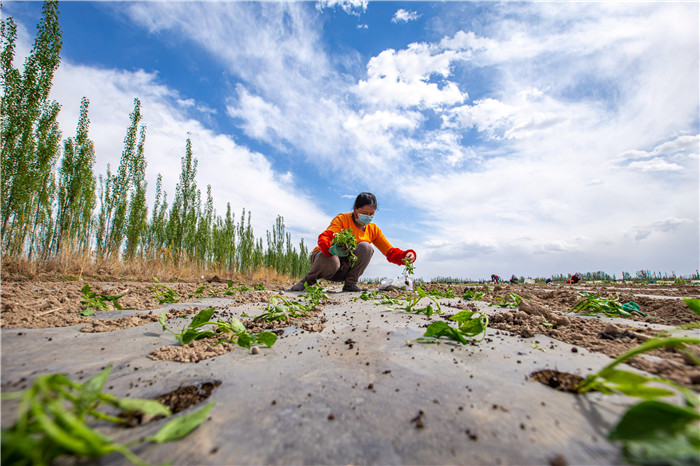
x=338, y=269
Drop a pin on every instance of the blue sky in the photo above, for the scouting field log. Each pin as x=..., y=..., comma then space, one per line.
x=509, y=138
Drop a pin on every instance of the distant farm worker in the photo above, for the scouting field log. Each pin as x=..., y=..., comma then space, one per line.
x=332, y=263
x=548, y=281
x=575, y=278
x=495, y=278
x=513, y=279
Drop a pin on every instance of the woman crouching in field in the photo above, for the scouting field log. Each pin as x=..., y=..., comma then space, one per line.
x=332, y=263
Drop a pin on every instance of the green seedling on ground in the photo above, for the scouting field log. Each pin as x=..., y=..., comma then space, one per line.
x=55, y=413
x=234, y=327
x=594, y=304
x=387, y=301
x=282, y=309
x=231, y=290
x=470, y=324
x=163, y=293
x=473, y=295
x=411, y=301
x=199, y=292
x=259, y=287
x=368, y=295
x=513, y=300
x=346, y=241
x=693, y=304
x=653, y=431
x=93, y=301
x=448, y=293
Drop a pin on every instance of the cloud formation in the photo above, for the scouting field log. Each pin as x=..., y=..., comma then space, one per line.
x=404, y=16
x=541, y=130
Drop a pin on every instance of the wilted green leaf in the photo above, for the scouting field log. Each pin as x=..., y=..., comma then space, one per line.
x=181, y=426
x=145, y=406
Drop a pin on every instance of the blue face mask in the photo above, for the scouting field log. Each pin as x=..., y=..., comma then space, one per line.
x=364, y=220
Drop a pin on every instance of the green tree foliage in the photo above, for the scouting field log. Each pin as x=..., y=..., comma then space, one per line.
x=47, y=211
x=136, y=224
x=30, y=134
x=182, y=223
x=156, y=239
x=116, y=192
x=76, y=189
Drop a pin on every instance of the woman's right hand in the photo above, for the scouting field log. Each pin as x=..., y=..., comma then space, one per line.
x=336, y=251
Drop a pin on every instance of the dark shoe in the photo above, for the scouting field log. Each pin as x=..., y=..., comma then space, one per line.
x=352, y=287
x=299, y=286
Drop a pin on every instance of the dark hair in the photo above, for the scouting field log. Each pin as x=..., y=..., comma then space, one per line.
x=364, y=199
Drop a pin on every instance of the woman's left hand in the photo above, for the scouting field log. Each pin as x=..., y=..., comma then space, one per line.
x=410, y=257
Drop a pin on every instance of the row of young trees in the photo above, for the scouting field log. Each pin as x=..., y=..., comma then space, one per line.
x=49, y=210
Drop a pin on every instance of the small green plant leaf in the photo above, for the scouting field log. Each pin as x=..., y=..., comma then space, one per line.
x=693, y=304
x=649, y=419
x=181, y=426
x=245, y=340
x=266, y=338
x=145, y=406
x=202, y=317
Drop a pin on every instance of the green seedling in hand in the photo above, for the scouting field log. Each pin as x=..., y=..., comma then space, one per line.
x=93, y=301
x=345, y=241
x=164, y=294
x=55, y=413
x=594, y=304
x=470, y=324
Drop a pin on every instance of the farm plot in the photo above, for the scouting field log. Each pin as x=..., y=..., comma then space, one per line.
x=345, y=380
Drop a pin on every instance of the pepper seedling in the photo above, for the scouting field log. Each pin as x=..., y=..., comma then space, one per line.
x=653, y=431
x=593, y=304
x=98, y=302
x=55, y=413
x=235, y=327
x=346, y=241
x=163, y=293
x=470, y=324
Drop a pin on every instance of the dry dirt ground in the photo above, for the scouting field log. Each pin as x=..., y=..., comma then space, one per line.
x=541, y=323
x=543, y=311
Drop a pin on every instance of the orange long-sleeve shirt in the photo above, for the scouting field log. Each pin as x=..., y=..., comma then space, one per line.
x=372, y=234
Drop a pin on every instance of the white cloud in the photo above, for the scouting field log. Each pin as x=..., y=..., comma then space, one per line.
x=655, y=165
x=353, y=7
x=404, y=16
x=582, y=115
x=221, y=161
x=402, y=78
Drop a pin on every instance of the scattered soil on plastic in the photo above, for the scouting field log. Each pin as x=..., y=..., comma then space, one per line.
x=561, y=381
x=194, y=351
x=544, y=310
